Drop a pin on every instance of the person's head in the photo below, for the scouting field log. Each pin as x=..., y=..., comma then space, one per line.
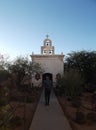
x=47, y=77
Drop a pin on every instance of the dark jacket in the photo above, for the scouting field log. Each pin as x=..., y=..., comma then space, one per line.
x=47, y=84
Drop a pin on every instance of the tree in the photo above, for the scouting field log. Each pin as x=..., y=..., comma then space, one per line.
x=71, y=83
x=4, y=74
x=3, y=61
x=22, y=67
x=84, y=62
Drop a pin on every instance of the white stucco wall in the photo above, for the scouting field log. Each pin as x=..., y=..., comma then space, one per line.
x=50, y=63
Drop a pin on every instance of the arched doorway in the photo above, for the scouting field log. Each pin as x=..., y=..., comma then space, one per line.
x=47, y=74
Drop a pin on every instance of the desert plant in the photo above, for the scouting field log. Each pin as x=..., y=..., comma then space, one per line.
x=71, y=83
x=76, y=103
x=80, y=117
x=4, y=95
x=15, y=121
x=87, y=68
x=91, y=117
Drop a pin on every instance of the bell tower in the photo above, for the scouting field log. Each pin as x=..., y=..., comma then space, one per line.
x=52, y=64
x=47, y=48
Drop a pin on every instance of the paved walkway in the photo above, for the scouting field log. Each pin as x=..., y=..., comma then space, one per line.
x=49, y=117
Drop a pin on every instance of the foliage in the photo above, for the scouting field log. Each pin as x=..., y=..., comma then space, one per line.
x=80, y=117
x=3, y=110
x=4, y=128
x=12, y=123
x=22, y=67
x=91, y=117
x=4, y=95
x=84, y=62
x=76, y=103
x=4, y=75
x=3, y=61
x=71, y=83
x=15, y=121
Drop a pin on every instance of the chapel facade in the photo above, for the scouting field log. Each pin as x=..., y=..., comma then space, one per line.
x=52, y=64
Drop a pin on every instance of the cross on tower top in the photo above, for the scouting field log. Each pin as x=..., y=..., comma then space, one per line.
x=47, y=36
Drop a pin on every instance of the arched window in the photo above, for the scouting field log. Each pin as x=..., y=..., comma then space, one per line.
x=58, y=76
x=37, y=76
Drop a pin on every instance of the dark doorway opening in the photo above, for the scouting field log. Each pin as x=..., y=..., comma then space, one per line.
x=47, y=74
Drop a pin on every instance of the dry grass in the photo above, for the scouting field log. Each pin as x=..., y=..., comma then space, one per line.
x=70, y=113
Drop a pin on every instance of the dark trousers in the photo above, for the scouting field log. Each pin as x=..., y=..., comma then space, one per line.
x=47, y=96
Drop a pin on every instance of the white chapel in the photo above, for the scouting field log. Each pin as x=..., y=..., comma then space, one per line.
x=51, y=63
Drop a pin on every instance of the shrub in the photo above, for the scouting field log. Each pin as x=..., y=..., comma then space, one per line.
x=30, y=99
x=4, y=128
x=15, y=121
x=80, y=117
x=91, y=117
x=76, y=103
x=4, y=95
x=71, y=84
x=4, y=75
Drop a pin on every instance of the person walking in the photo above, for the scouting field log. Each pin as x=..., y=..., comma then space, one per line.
x=47, y=89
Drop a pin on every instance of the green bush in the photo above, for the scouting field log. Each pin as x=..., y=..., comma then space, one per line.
x=71, y=84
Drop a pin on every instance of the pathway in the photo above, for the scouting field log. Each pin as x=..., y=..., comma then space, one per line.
x=49, y=117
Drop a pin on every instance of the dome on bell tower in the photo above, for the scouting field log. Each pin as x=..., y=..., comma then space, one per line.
x=47, y=48
x=47, y=41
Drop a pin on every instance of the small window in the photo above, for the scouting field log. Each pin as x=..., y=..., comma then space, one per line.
x=47, y=43
x=50, y=51
x=44, y=51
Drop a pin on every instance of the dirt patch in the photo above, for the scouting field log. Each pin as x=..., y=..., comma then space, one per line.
x=70, y=113
x=19, y=111
x=27, y=110
x=26, y=113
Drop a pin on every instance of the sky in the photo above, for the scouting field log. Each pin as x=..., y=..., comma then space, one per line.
x=24, y=24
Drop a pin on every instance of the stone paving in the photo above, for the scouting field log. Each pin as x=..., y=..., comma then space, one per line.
x=49, y=117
